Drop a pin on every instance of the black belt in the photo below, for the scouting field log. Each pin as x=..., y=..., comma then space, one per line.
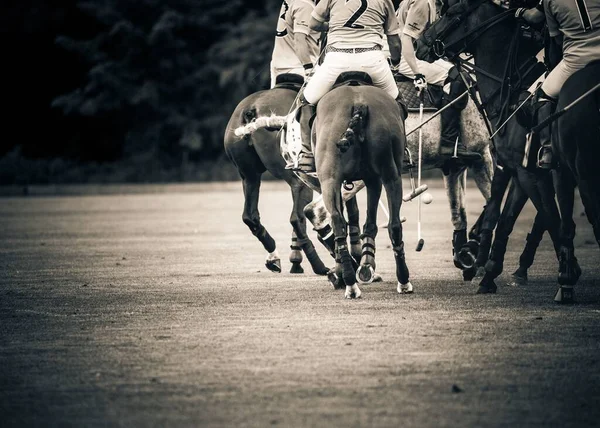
x=353, y=50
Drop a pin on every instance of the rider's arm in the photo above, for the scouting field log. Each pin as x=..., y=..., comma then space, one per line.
x=395, y=48
x=302, y=49
x=317, y=25
x=408, y=52
x=415, y=22
x=319, y=19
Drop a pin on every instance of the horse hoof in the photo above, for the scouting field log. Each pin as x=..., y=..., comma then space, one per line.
x=469, y=274
x=337, y=282
x=352, y=292
x=571, y=274
x=377, y=277
x=479, y=274
x=487, y=287
x=296, y=268
x=321, y=270
x=518, y=279
x=405, y=288
x=365, y=274
x=565, y=294
x=274, y=265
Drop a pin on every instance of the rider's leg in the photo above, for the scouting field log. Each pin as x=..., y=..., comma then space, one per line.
x=450, y=118
x=377, y=67
x=544, y=105
x=543, y=108
x=318, y=85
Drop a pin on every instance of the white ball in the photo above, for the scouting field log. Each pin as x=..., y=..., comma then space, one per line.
x=426, y=198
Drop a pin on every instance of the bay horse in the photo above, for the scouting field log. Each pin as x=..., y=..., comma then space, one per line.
x=475, y=137
x=253, y=154
x=359, y=134
x=504, y=64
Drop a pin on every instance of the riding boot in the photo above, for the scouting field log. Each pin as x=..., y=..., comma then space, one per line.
x=306, y=158
x=402, y=105
x=544, y=108
x=451, y=144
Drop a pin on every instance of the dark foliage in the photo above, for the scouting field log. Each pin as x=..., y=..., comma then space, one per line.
x=107, y=80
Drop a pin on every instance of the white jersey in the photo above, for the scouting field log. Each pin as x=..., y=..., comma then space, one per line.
x=357, y=23
x=415, y=16
x=294, y=17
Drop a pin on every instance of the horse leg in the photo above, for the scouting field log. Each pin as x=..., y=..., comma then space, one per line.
x=251, y=217
x=532, y=242
x=302, y=195
x=393, y=190
x=366, y=271
x=295, y=255
x=333, y=202
x=454, y=184
x=515, y=202
x=569, y=270
x=491, y=214
x=354, y=228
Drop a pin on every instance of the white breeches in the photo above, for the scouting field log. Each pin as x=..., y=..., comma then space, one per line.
x=559, y=75
x=372, y=62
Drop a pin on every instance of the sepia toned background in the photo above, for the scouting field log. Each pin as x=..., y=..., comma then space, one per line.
x=127, y=90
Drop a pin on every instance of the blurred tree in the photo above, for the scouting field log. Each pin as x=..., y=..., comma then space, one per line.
x=168, y=73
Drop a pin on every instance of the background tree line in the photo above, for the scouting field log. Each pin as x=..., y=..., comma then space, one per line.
x=132, y=87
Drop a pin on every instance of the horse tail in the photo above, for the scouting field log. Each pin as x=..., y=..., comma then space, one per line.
x=251, y=122
x=355, y=128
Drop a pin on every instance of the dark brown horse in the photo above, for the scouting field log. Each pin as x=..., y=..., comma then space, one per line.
x=253, y=153
x=576, y=140
x=360, y=135
x=504, y=65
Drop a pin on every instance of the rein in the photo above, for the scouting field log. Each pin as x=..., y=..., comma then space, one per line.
x=514, y=74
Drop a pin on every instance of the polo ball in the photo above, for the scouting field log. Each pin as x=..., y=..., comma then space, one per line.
x=426, y=198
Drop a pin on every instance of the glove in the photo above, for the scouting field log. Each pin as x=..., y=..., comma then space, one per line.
x=520, y=12
x=420, y=82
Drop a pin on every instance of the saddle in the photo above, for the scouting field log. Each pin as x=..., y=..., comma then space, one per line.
x=431, y=101
x=291, y=81
x=353, y=78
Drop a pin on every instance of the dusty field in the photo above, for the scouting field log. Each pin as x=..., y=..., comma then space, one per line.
x=155, y=309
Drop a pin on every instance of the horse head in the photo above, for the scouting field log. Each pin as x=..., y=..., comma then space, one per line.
x=503, y=47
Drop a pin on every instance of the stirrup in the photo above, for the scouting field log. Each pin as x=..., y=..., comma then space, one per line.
x=543, y=150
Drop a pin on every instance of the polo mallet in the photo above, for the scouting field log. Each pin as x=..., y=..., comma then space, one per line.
x=414, y=190
x=421, y=241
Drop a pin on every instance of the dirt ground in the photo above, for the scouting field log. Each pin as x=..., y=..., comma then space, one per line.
x=154, y=308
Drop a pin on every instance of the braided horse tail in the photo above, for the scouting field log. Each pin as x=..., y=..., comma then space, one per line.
x=355, y=128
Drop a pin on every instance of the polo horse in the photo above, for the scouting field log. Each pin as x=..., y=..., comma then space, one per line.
x=475, y=137
x=253, y=153
x=502, y=70
x=576, y=140
x=359, y=134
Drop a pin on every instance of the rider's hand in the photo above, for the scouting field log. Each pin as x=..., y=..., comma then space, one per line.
x=420, y=82
x=520, y=12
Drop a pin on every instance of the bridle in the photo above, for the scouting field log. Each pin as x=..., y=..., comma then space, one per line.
x=514, y=75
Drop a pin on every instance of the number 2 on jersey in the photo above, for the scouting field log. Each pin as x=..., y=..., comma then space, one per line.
x=350, y=23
